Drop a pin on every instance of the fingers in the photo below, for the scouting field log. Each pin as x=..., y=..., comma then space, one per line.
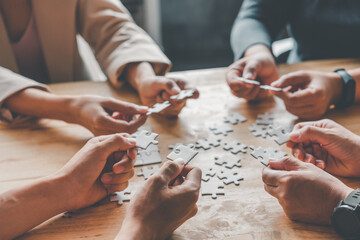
x=292, y=79
x=271, y=177
x=311, y=134
x=301, y=98
x=116, y=179
x=116, y=187
x=116, y=142
x=170, y=170
x=124, y=165
x=250, y=70
x=124, y=107
x=192, y=177
x=116, y=125
x=287, y=163
x=166, y=84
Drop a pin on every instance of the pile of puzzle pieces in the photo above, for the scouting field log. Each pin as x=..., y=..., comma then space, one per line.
x=225, y=167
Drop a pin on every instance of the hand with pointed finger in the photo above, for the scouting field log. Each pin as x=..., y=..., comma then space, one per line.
x=163, y=203
x=328, y=145
x=309, y=94
x=103, y=166
x=305, y=192
x=103, y=115
x=159, y=89
x=258, y=64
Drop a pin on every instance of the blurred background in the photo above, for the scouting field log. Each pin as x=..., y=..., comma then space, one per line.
x=194, y=34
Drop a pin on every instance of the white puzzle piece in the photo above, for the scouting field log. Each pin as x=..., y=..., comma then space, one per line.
x=207, y=174
x=184, y=152
x=158, y=107
x=228, y=160
x=121, y=197
x=228, y=176
x=147, y=172
x=149, y=156
x=184, y=94
x=212, y=188
x=145, y=138
x=235, y=147
x=235, y=118
x=223, y=129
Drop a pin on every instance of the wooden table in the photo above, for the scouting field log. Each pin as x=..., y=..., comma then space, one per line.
x=245, y=212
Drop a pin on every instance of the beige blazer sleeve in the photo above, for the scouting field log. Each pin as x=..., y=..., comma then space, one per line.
x=116, y=40
x=10, y=84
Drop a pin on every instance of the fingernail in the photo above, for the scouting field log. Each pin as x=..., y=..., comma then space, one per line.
x=294, y=136
x=248, y=75
x=106, y=178
x=180, y=161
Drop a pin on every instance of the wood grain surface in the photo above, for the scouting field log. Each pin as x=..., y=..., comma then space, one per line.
x=37, y=149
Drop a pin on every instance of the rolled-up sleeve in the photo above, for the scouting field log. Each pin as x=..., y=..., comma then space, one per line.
x=258, y=22
x=116, y=40
x=10, y=84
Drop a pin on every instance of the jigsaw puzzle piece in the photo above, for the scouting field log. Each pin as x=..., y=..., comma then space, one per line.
x=149, y=156
x=121, y=197
x=147, y=172
x=235, y=118
x=235, y=147
x=184, y=152
x=230, y=177
x=228, y=160
x=282, y=135
x=187, y=93
x=265, y=119
x=259, y=130
x=212, y=188
x=145, y=138
x=207, y=173
x=223, y=129
x=158, y=107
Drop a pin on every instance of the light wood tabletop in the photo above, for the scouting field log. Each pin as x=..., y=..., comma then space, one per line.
x=246, y=211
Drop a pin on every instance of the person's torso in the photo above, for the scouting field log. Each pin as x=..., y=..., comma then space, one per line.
x=326, y=28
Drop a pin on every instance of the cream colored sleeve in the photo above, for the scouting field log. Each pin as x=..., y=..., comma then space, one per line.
x=10, y=84
x=116, y=40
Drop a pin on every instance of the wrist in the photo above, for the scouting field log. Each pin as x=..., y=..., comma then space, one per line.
x=336, y=86
x=258, y=48
x=135, y=230
x=137, y=73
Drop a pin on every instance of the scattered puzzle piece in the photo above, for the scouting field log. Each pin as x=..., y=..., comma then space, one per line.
x=235, y=147
x=228, y=160
x=281, y=134
x=145, y=138
x=265, y=119
x=121, y=197
x=207, y=143
x=259, y=130
x=184, y=152
x=235, y=118
x=184, y=94
x=192, y=146
x=212, y=188
x=158, y=107
x=223, y=129
x=230, y=177
x=266, y=154
x=206, y=174
x=148, y=171
x=149, y=156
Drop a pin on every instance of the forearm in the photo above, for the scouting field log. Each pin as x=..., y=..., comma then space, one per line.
x=136, y=72
x=23, y=208
x=41, y=104
x=258, y=48
x=131, y=230
x=355, y=73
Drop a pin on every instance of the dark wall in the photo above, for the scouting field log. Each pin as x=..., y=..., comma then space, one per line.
x=196, y=33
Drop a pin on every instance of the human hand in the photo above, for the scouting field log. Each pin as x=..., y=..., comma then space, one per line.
x=158, y=89
x=305, y=192
x=257, y=64
x=164, y=202
x=308, y=94
x=328, y=145
x=103, y=166
x=103, y=115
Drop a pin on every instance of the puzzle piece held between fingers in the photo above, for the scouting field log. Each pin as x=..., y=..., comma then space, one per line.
x=235, y=118
x=145, y=138
x=230, y=177
x=282, y=135
x=151, y=155
x=235, y=147
x=206, y=174
x=184, y=152
x=121, y=197
x=223, y=129
x=212, y=188
x=187, y=93
x=266, y=154
x=228, y=160
x=148, y=172
x=158, y=107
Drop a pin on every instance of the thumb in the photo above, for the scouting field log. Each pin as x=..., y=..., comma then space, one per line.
x=116, y=142
x=167, y=85
x=311, y=134
x=250, y=70
x=170, y=170
x=287, y=164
